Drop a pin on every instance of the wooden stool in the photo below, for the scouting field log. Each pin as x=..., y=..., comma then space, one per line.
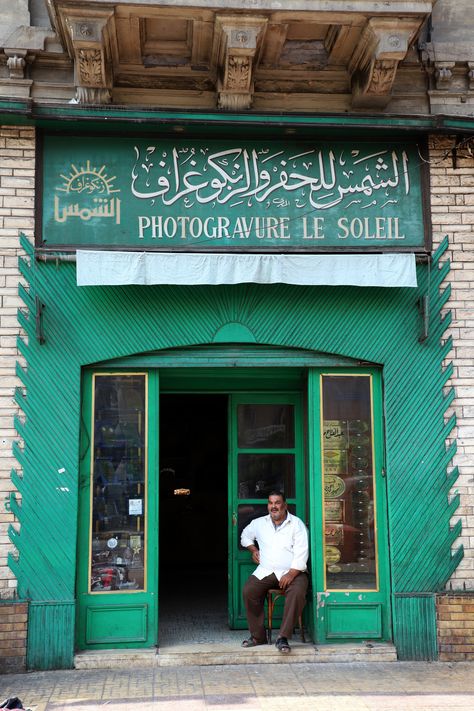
x=272, y=596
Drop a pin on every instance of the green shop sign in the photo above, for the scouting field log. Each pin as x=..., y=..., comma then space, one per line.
x=231, y=195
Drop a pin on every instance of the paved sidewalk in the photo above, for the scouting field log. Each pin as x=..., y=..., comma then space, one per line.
x=397, y=686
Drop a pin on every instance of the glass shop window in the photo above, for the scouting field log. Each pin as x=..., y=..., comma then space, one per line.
x=348, y=483
x=118, y=483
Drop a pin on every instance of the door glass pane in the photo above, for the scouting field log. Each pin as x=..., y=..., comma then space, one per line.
x=261, y=473
x=266, y=426
x=118, y=483
x=348, y=477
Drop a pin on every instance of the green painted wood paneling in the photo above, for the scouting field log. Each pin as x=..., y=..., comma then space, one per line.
x=415, y=627
x=83, y=326
x=124, y=623
x=239, y=356
x=50, y=625
x=354, y=621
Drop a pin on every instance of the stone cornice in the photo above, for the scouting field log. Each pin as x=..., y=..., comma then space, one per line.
x=301, y=55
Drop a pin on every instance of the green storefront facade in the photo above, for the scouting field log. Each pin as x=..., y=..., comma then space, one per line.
x=334, y=393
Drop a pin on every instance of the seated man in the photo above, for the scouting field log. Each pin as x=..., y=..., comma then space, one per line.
x=279, y=546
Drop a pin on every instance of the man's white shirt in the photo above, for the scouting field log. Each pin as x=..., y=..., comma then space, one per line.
x=280, y=548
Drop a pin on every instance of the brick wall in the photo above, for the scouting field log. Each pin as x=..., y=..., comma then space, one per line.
x=452, y=207
x=17, y=189
x=13, y=631
x=455, y=621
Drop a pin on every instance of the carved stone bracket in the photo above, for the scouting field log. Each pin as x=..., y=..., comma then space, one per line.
x=470, y=75
x=89, y=44
x=237, y=44
x=20, y=45
x=373, y=65
x=16, y=63
x=15, y=83
x=443, y=74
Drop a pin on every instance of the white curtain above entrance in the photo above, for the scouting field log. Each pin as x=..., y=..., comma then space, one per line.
x=106, y=268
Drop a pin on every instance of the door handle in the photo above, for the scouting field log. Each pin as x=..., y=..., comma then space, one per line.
x=234, y=518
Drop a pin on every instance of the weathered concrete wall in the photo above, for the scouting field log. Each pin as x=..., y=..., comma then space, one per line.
x=13, y=15
x=452, y=33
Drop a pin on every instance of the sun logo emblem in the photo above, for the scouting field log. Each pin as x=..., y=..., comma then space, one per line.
x=88, y=180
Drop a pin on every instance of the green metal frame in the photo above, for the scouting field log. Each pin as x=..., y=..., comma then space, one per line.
x=113, y=612
x=240, y=564
x=369, y=610
x=83, y=326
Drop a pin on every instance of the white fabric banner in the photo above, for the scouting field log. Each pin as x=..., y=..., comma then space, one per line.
x=108, y=268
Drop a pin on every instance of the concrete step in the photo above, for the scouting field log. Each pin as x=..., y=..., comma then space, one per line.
x=223, y=654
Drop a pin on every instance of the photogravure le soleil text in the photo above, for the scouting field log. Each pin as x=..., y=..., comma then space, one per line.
x=236, y=177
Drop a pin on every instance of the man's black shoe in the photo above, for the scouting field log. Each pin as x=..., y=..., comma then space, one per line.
x=282, y=645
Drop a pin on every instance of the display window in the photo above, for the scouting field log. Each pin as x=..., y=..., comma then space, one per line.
x=350, y=559
x=118, y=483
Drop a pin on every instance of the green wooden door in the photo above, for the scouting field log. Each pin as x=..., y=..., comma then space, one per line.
x=117, y=556
x=265, y=453
x=350, y=572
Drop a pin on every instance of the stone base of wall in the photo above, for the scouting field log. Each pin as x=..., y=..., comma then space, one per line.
x=455, y=621
x=13, y=632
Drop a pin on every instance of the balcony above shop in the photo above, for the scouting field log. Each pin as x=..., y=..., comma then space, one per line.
x=237, y=55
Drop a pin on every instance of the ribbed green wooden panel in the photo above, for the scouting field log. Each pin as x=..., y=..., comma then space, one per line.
x=83, y=326
x=415, y=627
x=49, y=635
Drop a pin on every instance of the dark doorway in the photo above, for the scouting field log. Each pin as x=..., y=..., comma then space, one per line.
x=193, y=515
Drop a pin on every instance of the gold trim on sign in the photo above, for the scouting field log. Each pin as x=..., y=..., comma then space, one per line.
x=374, y=480
x=91, y=488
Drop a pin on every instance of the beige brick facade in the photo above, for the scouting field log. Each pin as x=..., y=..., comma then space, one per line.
x=455, y=622
x=17, y=191
x=452, y=208
x=13, y=635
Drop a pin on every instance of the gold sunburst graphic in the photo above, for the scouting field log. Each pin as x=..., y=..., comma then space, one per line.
x=88, y=179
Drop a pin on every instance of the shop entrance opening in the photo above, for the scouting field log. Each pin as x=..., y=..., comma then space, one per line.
x=193, y=518
x=176, y=462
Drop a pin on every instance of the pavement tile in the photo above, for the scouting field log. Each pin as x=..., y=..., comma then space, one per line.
x=396, y=686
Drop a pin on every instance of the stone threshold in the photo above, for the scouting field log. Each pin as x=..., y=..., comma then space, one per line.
x=225, y=654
